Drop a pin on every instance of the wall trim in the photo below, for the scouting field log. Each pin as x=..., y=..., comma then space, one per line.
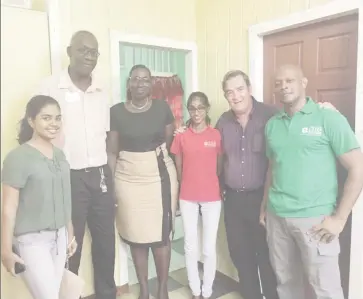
x=189, y=46
x=331, y=10
x=54, y=27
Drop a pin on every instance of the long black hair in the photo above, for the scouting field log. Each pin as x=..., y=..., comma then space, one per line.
x=33, y=108
x=204, y=99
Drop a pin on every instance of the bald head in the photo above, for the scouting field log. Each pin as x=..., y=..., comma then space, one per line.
x=83, y=53
x=79, y=36
x=292, y=69
x=290, y=83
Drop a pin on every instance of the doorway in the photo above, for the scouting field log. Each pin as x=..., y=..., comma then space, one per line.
x=165, y=58
x=163, y=62
x=327, y=53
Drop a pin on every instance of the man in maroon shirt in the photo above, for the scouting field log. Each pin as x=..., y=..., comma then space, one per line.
x=245, y=166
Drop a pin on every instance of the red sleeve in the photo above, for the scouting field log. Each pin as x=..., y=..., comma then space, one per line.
x=218, y=143
x=176, y=146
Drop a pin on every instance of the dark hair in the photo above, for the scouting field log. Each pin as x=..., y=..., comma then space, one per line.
x=204, y=99
x=233, y=74
x=139, y=66
x=33, y=108
x=135, y=67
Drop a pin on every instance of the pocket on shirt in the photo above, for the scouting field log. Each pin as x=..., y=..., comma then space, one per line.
x=258, y=143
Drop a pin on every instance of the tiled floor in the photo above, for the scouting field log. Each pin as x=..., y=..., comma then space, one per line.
x=224, y=287
x=177, y=261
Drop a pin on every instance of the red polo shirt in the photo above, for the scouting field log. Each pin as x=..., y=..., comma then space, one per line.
x=199, y=175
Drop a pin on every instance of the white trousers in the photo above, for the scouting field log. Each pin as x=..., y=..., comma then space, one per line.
x=210, y=220
x=44, y=254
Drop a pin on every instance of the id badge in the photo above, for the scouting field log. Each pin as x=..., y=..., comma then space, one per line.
x=103, y=184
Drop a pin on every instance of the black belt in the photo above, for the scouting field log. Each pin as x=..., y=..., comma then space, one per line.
x=89, y=169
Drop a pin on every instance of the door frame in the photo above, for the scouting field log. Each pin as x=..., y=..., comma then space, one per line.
x=190, y=47
x=191, y=84
x=334, y=9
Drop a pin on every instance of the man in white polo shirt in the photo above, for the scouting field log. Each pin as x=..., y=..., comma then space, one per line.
x=85, y=113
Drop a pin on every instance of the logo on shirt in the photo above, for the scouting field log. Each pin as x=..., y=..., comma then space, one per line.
x=312, y=131
x=210, y=144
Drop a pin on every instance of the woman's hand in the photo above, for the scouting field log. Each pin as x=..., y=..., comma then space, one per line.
x=72, y=247
x=9, y=259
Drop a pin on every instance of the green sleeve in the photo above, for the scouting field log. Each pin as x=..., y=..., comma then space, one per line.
x=341, y=136
x=268, y=148
x=14, y=172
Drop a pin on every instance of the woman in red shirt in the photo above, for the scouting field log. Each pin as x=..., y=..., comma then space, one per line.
x=198, y=159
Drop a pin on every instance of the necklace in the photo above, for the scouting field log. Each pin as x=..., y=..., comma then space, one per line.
x=139, y=108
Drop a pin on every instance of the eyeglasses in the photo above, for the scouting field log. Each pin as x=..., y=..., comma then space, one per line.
x=196, y=109
x=140, y=80
x=85, y=52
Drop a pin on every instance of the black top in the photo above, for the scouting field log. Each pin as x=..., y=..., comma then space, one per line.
x=144, y=131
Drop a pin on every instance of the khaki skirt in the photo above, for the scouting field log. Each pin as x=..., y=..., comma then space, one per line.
x=146, y=188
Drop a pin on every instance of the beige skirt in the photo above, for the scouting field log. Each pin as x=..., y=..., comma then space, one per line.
x=146, y=188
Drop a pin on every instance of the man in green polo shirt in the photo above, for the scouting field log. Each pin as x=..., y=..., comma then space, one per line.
x=303, y=215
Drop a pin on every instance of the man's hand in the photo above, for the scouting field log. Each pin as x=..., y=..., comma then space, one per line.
x=263, y=218
x=9, y=259
x=179, y=130
x=223, y=194
x=327, y=105
x=328, y=230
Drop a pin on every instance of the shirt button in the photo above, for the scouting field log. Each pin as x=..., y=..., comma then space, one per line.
x=243, y=149
x=243, y=162
x=243, y=175
x=243, y=136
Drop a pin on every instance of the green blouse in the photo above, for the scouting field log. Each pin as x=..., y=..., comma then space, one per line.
x=44, y=188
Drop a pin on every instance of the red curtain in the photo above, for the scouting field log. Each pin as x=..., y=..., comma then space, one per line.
x=170, y=89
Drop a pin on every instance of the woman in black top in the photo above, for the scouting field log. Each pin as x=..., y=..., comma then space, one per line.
x=145, y=177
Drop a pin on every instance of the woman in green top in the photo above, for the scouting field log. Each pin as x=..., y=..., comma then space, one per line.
x=36, y=212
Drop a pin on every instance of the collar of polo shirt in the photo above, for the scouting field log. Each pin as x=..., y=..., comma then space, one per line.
x=65, y=82
x=308, y=108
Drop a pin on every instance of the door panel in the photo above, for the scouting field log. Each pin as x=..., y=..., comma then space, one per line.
x=327, y=53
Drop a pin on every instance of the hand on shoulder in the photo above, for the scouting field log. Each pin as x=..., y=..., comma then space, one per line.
x=180, y=130
x=328, y=105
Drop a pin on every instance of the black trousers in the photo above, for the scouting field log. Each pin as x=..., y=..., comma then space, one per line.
x=247, y=244
x=96, y=208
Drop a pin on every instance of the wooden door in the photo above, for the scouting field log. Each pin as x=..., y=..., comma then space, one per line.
x=327, y=53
